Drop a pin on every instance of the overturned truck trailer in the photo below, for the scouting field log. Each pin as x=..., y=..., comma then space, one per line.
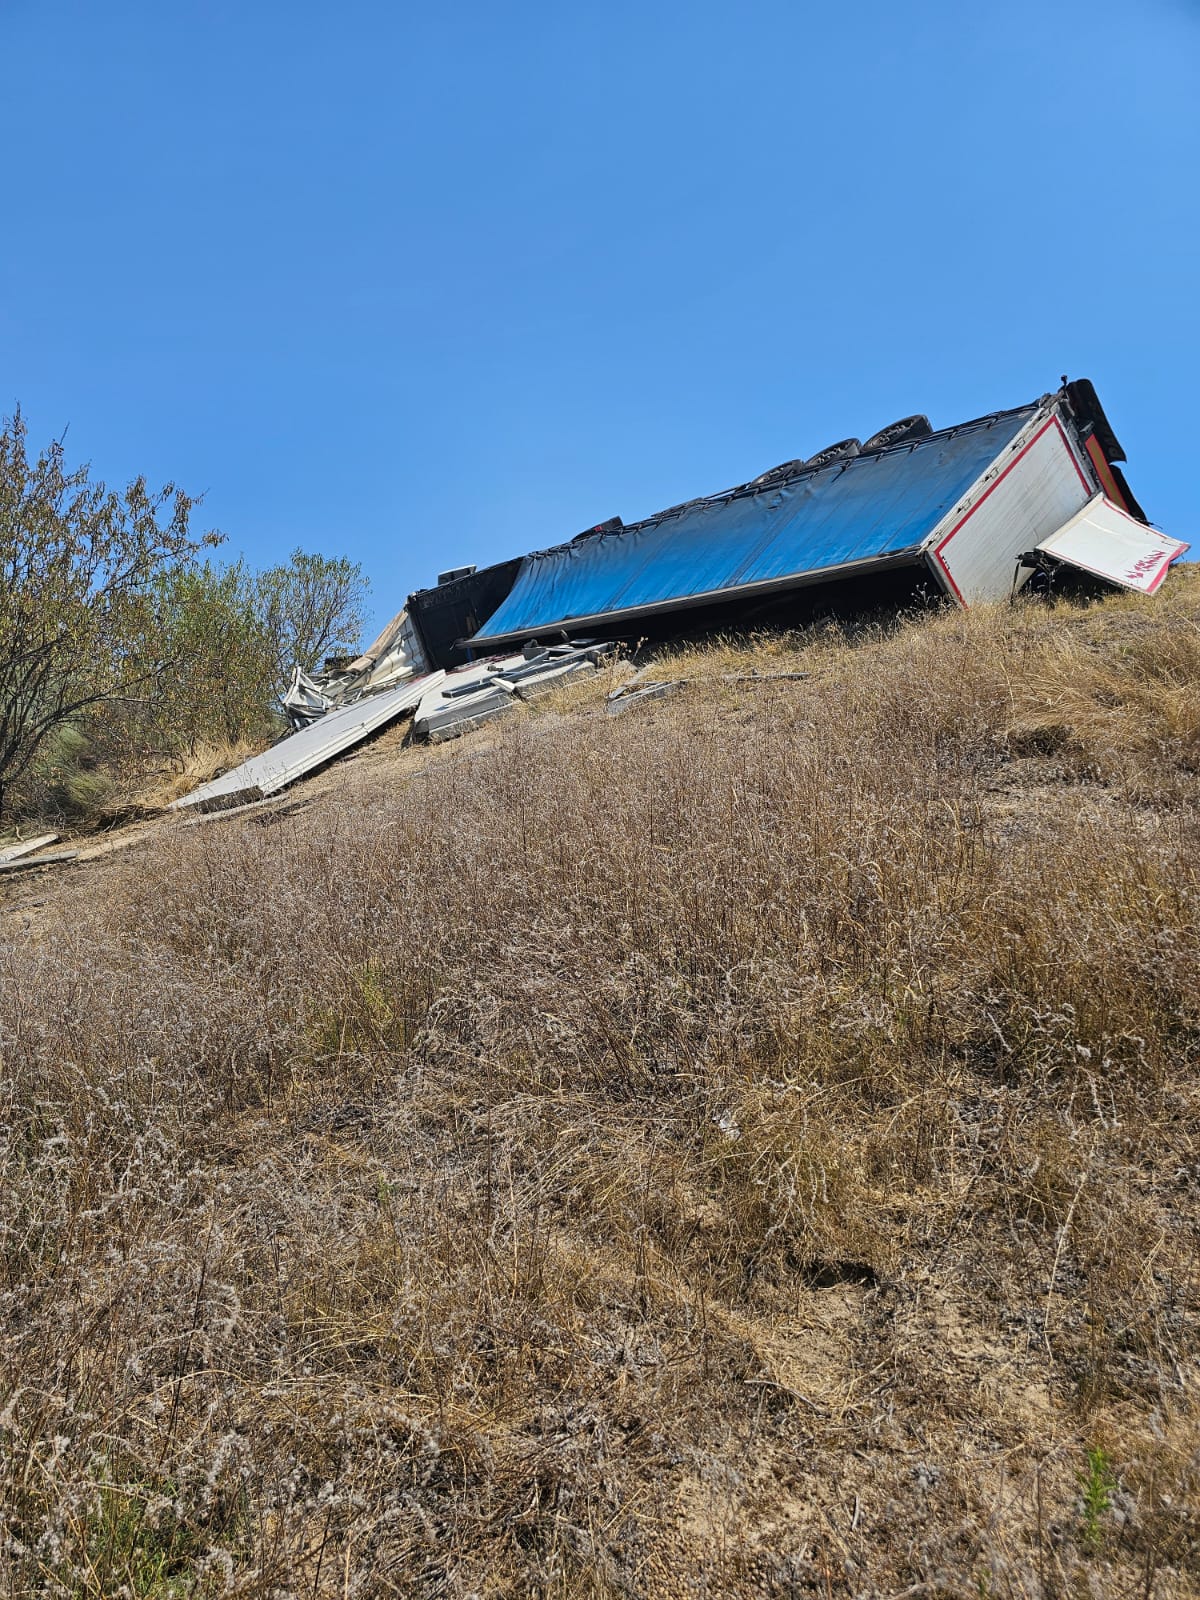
x=969, y=511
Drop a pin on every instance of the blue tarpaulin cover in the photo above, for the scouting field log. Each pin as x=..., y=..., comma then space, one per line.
x=873, y=507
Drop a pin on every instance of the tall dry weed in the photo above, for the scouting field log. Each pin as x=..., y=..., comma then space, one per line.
x=745, y=1147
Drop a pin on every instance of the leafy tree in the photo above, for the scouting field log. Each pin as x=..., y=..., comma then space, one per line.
x=234, y=636
x=113, y=631
x=81, y=570
x=208, y=622
x=311, y=608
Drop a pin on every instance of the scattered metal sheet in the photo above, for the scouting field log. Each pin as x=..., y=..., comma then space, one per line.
x=467, y=698
x=31, y=863
x=637, y=694
x=25, y=847
x=454, y=717
x=532, y=685
x=478, y=693
x=1109, y=543
x=311, y=747
x=642, y=687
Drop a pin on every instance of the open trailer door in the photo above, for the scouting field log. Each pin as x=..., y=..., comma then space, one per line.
x=1109, y=543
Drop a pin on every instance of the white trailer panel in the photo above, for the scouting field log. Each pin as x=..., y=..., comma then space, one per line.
x=1104, y=540
x=1021, y=500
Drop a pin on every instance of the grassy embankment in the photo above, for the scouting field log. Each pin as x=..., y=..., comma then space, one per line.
x=750, y=1146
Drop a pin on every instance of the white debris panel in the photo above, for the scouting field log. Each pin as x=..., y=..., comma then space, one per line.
x=314, y=745
x=26, y=847
x=486, y=689
x=1104, y=540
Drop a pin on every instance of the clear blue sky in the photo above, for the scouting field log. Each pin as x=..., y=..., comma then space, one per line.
x=437, y=284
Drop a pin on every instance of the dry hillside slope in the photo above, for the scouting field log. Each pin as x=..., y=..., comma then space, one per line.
x=745, y=1147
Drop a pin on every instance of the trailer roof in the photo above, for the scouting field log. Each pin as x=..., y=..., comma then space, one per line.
x=874, y=509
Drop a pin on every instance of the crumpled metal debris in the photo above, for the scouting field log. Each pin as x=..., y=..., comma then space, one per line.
x=396, y=654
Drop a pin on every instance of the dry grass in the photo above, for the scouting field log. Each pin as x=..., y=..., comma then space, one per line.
x=81, y=798
x=744, y=1147
x=155, y=790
